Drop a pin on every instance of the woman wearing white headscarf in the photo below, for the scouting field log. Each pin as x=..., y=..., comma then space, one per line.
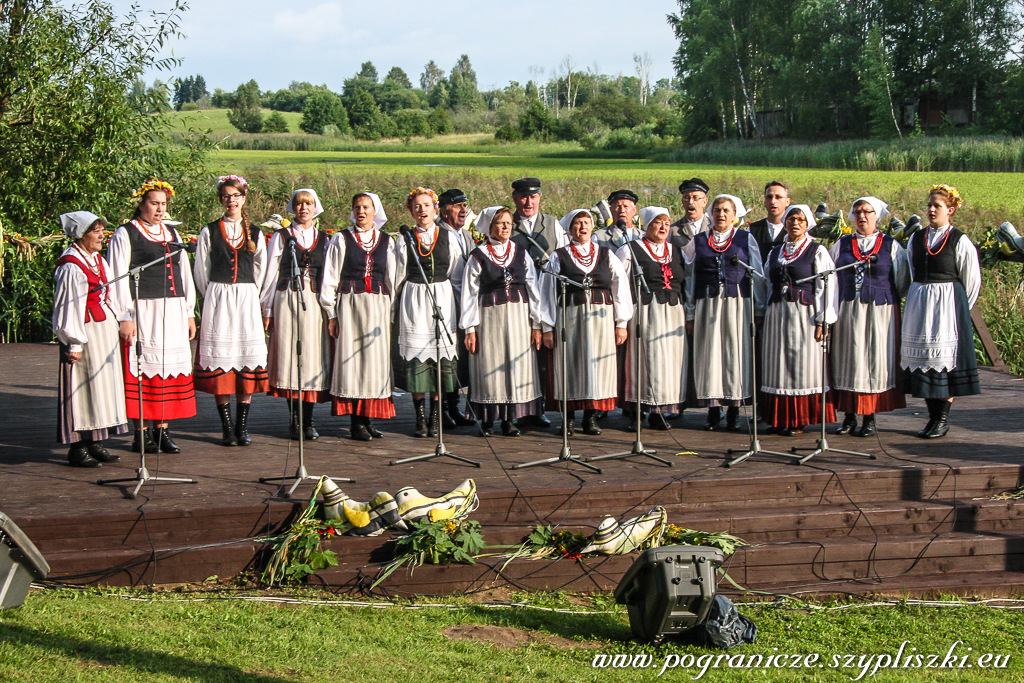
x=503, y=315
x=663, y=346
x=90, y=387
x=283, y=313
x=718, y=310
x=595, y=321
x=865, y=350
x=793, y=328
x=357, y=293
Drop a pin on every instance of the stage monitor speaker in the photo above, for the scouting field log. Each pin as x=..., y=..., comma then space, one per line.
x=669, y=590
x=20, y=564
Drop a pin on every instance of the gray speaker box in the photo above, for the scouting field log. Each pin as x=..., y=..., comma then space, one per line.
x=20, y=564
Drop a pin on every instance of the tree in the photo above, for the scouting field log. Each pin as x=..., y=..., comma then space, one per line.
x=182, y=92
x=463, y=92
x=368, y=72
x=275, y=123
x=537, y=121
x=643, y=72
x=431, y=76
x=365, y=117
x=464, y=69
x=398, y=77
x=199, y=88
x=245, y=114
x=441, y=121
x=876, y=93
x=323, y=108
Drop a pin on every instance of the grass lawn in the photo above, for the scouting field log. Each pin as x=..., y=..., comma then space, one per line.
x=65, y=635
x=217, y=120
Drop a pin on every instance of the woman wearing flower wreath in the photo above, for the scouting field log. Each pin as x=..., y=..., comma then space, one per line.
x=357, y=294
x=504, y=315
x=283, y=314
x=162, y=318
x=439, y=253
x=938, y=338
x=596, y=317
x=793, y=327
x=866, y=343
x=232, y=357
x=718, y=311
x=90, y=387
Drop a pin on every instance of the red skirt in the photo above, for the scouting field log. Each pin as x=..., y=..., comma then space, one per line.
x=378, y=408
x=223, y=382
x=583, y=404
x=797, y=411
x=307, y=396
x=869, y=404
x=163, y=398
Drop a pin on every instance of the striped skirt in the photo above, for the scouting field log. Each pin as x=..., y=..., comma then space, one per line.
x=864, y=357
x=316, y=348
x=504, y=381
x=722, y=351
x=663, y=365
x=792, y=380
x=90, y=392
x=590, y=351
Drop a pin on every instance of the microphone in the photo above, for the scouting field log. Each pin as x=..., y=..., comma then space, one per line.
x=189, y=247
x=407, y=233
x=621, y=225
x=735, y=259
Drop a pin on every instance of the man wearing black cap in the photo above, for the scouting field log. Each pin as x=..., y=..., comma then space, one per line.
x=695, y=200
x=453, y=209
x=768, y=231
x=623, y=205
x=539, y=234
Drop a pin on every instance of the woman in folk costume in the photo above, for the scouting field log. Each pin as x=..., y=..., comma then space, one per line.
x=230, y=262
x=162, y=318
x=596, y=316
x=285, y=317
x=866, y=337
x=503, y=314
x=938, y=338
x=90, y=387
x=357, y=293
x=663, y=347
x=438, y=252
x=794, y=320
x=718, y=311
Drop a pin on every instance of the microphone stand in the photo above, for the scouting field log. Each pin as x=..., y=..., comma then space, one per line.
x=142, y=475
x=638, y=446
x=822, y=443
x=565, y=455
x=440, y=450
x=301, y=474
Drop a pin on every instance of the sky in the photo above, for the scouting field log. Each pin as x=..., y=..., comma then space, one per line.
x=325, y=42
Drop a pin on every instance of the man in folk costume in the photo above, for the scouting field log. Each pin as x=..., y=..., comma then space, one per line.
x=769, y=231
x=90, y=388
x=283, y=314
x=545, y=231
x=162, y=317
x=453, y=211
x=694, y=193
x=623, y=206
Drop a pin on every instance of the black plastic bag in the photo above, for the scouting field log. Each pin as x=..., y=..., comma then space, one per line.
x=725, y=627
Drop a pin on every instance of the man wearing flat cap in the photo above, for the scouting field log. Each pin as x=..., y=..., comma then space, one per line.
x=623, y=205
x=695, y=200
x=453, y=207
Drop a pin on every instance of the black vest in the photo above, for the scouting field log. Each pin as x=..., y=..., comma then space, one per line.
x=311, y=261
x=230, y=265
x=354, y=275
x=435, y=266
x=935, y=268
x=654, y=274
x=159, y=281
x=877, y=280
x=599, y=280
x=713, y=270
x=784, y=277
x=501, y=285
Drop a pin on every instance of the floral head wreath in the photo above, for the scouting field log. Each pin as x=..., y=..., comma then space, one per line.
x=149, y=186
x=953, y=193
x=237, y=178
x=419, y=191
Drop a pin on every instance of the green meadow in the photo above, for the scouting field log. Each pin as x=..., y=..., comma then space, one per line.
x=217, y=120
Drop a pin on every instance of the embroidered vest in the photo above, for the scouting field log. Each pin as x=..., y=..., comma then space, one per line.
x=875, y=282
x=311, y=261
x=227, y=264
x=936, y=268
x=713, y=269
x=159, y=281
x=783, y=277
x=599, y=279
x=365, y=272
x=435, y=265
x=501, y=285
x=664, y=280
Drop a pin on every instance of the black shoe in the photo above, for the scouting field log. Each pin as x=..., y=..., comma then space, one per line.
x=453, y=412
x=868, y=427
x=242, y=424
x=932, y=413
x=714, y=419
x=674, y=416
x=227, y=428
x=535, y=421
x=657, y=421
x=151, y=445
x=508, y=428
x=590, y=423
x=433, y=423
x=732, y=418
x=294, y=419
x=78, y=456
x=849, y=424
x=790, y=431
x=359, y=430
x=570, y=419
x=374, y=432
x=163, y=438
x=421, y=418
x=487, y=428
x=97, y=451
x=941, y=426
x=600, y=414
x=309, y=432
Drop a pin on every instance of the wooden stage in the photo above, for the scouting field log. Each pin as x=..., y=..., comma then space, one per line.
x=918, y=519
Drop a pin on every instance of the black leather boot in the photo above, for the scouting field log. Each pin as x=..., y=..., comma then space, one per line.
x=487, y=428
x=359, y=430
x=714, y=419
x=868, y=426
x=508, y=428
x=151, y=445
x=941, y=425
x=97, y=451
x=590, y=423
x=435, y=418
x=242, y=424
x=308, y=430
x=294, y=419
x=849, y=424
x=732, y=418
x=657, y=421
x=374, y=432
x=421, y=418
x=163, y=438
x=227, y=428
x=570, y=418
x=932, y=408
x=78, y=456
x=454, y=414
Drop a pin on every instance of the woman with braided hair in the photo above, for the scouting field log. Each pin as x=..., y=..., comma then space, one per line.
x=231, y=257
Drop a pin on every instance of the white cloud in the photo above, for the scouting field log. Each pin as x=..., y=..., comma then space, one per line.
x=312, y=25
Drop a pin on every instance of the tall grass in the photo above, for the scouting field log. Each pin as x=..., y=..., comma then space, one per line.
x=988, y=153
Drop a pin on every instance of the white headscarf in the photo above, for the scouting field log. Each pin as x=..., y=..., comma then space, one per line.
x=319, y=208
x=737, y=204
x=880, y=207
x=483, y=221
x=76, y=223
x=649, y=213
x=803, y=208
x=567, y=218
x=379, y=217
